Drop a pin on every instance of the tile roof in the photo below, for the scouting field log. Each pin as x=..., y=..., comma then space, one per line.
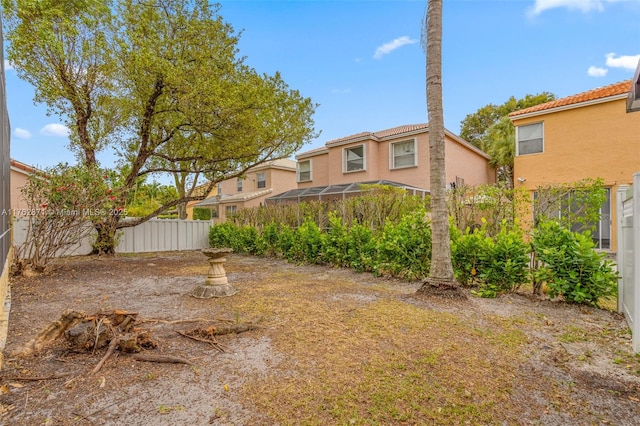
x=590, y=95
x=380, y=134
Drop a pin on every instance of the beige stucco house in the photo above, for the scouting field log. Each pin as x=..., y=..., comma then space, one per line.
x=588, y=135
x=399, y=155
x=258, y=183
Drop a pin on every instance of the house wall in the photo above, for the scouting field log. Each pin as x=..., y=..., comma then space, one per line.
x=595, y=141
x=18, y=181
x=460, y=161
x=319, y=171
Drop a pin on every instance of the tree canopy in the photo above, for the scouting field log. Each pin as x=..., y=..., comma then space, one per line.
x=490, y=129
x=160, y=82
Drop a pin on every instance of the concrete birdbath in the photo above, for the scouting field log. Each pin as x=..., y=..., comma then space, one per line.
x=216, y=284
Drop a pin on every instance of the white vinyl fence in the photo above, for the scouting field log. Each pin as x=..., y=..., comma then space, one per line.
x=628, y=255
x=155, y=235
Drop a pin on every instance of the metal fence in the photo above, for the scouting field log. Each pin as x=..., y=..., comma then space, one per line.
x=628, y=253
x=155, y=235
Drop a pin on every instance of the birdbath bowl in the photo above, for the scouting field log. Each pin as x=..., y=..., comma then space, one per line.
x=216, y=284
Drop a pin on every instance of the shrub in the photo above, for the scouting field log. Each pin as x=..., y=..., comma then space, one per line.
x=336, y=242
x=465, y=254
x=361, y=251
x=505, y=262
x=224, y=235
x=307, y=243
x=570, y=266
x=404, y=249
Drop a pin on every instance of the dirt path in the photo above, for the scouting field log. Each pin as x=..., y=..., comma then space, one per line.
x=333, y=347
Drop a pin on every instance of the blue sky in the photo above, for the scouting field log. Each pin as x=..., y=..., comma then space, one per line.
x=362, y=61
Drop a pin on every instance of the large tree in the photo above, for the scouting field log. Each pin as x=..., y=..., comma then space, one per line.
x=161, y=83
x=441, y=271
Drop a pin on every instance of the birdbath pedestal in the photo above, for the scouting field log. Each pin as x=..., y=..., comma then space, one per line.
x=216, y=284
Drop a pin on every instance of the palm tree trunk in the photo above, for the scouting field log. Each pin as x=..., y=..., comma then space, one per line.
x=441, y=272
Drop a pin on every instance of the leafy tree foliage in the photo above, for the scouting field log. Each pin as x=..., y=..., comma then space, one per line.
x=161, y=83
x=490, y=129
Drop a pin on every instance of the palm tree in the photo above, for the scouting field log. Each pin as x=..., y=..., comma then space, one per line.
x=441, y=273
x=500, y=144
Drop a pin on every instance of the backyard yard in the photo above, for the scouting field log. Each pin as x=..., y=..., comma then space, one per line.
x=331, y=347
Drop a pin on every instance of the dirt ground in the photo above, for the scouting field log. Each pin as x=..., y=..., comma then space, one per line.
x=515, y=359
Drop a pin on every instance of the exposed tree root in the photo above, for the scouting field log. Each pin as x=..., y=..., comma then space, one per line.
x=449, y=289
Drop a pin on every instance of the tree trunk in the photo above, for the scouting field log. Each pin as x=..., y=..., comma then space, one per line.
x=182, y=210
x=105, y=242
x=441, y=272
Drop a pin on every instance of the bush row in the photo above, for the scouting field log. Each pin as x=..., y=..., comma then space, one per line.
x=492, y=263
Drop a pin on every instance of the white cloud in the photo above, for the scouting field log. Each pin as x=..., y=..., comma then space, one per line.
x=7, y=65
x=597, y=72
x=624, y=61
x=55, y=129
x=393, y=45
x=581, y=5
x=21, y=133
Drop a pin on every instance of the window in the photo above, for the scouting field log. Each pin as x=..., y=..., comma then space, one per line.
x=230, y=210
x=304, y=171
x=219, y=189
x=239, y=184
x=530, y=139
x=569, y=207
x=403, y=154
x=262, y=180
x=354, y=159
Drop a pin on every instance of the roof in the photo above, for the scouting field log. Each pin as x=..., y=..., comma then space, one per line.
x=382, y=134
x=318, y=192
x=23, y=168
x=603, y=94
x=241, y=197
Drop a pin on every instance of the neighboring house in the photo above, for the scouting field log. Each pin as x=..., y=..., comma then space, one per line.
x=399, y=156
x=588, y=135
x=633, y=100
x=258, y=183
x=19, y=176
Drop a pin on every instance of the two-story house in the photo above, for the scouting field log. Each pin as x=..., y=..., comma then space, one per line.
x=588, y=135
x=397, y=156
x=250, y=190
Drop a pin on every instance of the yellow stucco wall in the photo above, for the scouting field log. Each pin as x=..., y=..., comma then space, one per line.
x=594, y=141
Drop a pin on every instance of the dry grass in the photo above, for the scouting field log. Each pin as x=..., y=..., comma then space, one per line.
x=361, y=355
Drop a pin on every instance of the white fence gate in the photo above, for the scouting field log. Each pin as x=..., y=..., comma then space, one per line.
x=628, y=254
x=154, y=235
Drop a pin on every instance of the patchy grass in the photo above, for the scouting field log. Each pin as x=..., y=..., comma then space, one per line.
x=376, y=359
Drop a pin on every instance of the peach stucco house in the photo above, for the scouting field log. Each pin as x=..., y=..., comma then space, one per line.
x=588, y=135
x=19, y=175
x=258, y=183
x=398, y=155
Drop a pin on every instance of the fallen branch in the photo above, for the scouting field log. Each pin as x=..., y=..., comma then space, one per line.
x=161, y=358
x=210, y=341
x=159, y=321
x=37, y=378
x=234, y=328
x=112, y=347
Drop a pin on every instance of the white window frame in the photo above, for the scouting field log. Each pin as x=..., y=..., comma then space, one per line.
x=262, y=181
x=299, y=179
x=392, y=156
x=239, y=184
x=364, y=158
x=541, y=124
